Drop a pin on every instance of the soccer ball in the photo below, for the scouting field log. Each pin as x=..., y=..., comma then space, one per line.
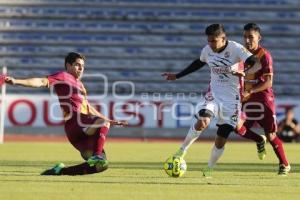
x=175, y=166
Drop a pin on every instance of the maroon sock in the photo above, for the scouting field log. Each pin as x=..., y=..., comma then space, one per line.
x=81, y=169
x=101, y=140
x=279, y=151
x=247, y=133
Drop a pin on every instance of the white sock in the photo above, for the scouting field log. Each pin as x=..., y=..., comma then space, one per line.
x=192, y=135
x=214, y=156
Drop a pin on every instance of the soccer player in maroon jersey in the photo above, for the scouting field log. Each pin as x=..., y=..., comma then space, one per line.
x=85, y=127
x=258, y=98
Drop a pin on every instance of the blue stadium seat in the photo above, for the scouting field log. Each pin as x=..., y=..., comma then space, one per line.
x=130, y=40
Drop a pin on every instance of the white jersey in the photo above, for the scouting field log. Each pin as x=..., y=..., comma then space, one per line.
x=223, y=85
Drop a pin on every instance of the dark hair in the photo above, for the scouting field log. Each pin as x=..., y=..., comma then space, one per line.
x=215, y=30
x=252, y=26
x=72, y=57
x=289, y=109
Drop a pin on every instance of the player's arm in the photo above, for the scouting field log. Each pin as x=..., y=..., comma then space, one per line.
x=194, y=66
x=249, y=62
x=30, y=82
x=95, y=112
x=262, y=86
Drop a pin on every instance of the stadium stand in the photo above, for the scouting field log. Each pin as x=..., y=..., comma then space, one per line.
x=137, y=40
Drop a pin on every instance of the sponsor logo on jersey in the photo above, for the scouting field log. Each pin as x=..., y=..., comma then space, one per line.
x=221, y=70
x=251, y=81
x=227, y=54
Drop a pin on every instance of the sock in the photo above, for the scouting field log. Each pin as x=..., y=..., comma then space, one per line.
x=247, y=133
x=81, y=169
x=101, y=140
x=192, y=135
x=279, y=151
x=214, y=156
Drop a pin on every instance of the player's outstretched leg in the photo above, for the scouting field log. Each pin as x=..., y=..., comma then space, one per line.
x=260, y=140
x=261, y=150
x=84, y=168
x=217, y=151
x=94, y=164
x=215, y=155
x=207, y=172
x=54, y=171
x=97, y=160
x=195, y=130
x=192, y=135
x=284, y=166
x=284, y=169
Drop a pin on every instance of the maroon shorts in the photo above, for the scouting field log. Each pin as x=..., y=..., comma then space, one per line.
x=75, y=129
x=262, y=113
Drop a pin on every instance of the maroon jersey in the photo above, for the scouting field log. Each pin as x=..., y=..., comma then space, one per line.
x=71, y=93
x=256, y=75
x=2, y=79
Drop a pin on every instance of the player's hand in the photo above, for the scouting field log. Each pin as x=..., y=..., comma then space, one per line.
x=10, y=80
x=169, y=76
x=246, y=94
x=238, y=73
x=118, y=122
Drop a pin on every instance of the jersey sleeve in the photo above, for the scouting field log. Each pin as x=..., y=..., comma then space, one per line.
x=242, y=52
x=56, y=77
x=267, y=64
x=203, y=55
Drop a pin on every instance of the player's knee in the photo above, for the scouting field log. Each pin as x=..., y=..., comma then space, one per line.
x=101, y=123
x=204, y=113
x=200, y=125
x=203, y=117
x=224, y=130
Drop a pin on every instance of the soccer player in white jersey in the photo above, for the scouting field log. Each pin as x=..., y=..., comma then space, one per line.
x=223, y=100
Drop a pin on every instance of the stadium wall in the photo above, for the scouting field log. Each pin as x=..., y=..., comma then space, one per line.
x=156, y=116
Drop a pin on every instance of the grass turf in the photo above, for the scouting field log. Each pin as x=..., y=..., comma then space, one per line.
x=136, y=173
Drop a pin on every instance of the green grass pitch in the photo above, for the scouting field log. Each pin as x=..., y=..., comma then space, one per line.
x=136, y=172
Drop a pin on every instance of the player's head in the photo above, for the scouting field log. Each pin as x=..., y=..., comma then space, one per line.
x=216, y=37
x=289, y=113
x=251, y=36
x=74, y=64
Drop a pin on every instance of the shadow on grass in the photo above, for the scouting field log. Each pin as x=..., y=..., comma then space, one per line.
x=141, y=182
x=228, y=167
x=192, y=166
x=9, y=172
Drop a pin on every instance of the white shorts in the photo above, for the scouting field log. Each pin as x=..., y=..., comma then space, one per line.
x=224, y=112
